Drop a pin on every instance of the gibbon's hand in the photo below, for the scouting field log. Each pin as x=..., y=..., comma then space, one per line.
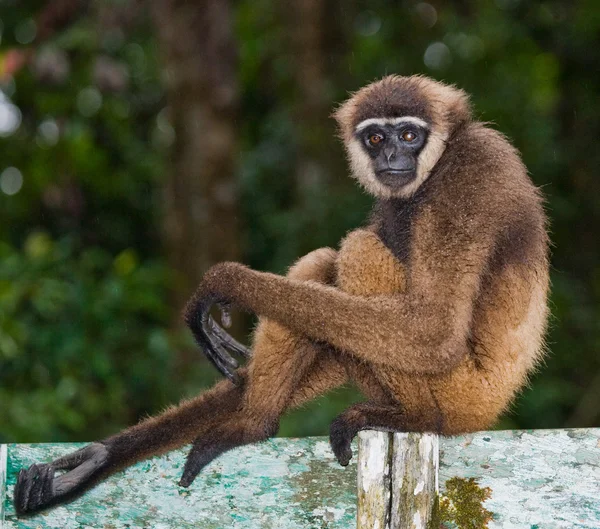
x=209, y=335
x=226, y=340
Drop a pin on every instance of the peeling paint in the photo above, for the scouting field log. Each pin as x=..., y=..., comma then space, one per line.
x=3, y=462
x=373, y=477
x=548, y=478
x=413, y=479
x=280, y=484
x=419, y=488
x=538, y=479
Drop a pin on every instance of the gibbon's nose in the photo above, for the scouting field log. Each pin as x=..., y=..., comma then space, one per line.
x=401, y=162
x=390, y=153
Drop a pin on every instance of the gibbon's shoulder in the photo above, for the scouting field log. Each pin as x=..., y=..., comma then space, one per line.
x=482, y=172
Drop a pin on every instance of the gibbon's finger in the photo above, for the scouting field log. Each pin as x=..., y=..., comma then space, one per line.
x=201, y=454
x=93, y=459
x=203, y=341
x=196, y=460
x=216, y=345
x=340, y=439
x=216, y=359
x=228, y=341
x=204, y=338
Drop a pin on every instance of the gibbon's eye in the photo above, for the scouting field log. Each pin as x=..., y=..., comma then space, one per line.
x=374, y=139
x=409, y=135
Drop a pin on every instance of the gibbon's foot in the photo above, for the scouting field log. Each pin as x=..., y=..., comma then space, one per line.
x=240, y=430
x=340, y=438
x=34, y=488
x=39, y=487
x=200, y=455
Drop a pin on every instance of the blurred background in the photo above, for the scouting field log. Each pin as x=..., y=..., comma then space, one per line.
x=142, y=142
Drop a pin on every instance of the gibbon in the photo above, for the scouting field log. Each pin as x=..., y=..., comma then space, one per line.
x=436, y=309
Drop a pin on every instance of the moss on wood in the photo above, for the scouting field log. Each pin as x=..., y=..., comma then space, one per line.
x=462, y=506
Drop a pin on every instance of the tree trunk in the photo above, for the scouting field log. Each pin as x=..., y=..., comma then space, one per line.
x=315, y=44
x=313, y=99
x=199, y=54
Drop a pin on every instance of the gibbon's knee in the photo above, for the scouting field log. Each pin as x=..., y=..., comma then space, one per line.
x=318, y=265
x=325, y=374
x=275, y=345
x=272, y=342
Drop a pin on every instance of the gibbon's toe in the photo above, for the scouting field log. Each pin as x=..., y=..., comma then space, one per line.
x=197, y=459
x=340, y=438
x=33, y=490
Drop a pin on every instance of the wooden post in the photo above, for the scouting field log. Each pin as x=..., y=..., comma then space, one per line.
x=397, y=480
x=415, y=466
x=373, y=476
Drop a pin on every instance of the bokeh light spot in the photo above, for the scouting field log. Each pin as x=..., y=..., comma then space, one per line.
x=48, y=132
x=437, y=56
x=11, y=181
x=164, y=135
x=427, y=14
x=367, y=23
x=137, y=59
x=89, y=101
x=25, y=32
x=10, y=116
x=468, y=47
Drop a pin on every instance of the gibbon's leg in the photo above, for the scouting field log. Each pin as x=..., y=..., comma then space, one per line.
x=39, y=486
x=274, y=385
x=285, y=368
x=307, y=371
x=375, y=416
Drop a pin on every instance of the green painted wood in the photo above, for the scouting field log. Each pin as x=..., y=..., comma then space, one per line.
x=539, y=479
x=283, y=484
x=546, y=479
x=3, y=457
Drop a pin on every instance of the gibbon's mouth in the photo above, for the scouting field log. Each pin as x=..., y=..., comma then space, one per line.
x=396, y=177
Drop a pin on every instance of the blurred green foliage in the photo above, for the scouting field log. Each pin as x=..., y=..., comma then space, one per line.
x=85, y=339
x=81, y=334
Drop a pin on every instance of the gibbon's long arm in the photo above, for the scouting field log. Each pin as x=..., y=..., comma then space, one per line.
x=423, y=330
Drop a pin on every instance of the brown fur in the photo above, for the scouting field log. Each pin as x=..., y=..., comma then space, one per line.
x=436, y=309
x=451, y=336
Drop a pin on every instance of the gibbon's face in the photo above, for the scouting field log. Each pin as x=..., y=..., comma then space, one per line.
x=394, y=146
x=395, y=131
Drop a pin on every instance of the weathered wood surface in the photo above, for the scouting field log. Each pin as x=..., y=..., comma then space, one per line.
x=545, y=479
x=280, y=484
x=3, y=465
x=373, y=479
x=415, y=463
x=539, y=479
